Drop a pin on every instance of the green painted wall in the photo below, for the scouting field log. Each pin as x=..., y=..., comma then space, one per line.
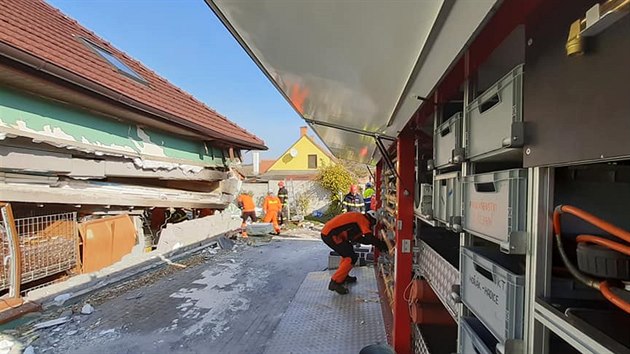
x=23, y=113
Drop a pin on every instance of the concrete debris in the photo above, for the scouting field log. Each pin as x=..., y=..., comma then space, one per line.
x=259, y=229
x=29, y=350
x=60, y=299
x=225, y=243
x=133, y=297
x=232, y=260
x=71, y=333
x=191, y=231
x=51, y=323
x=87, y=309
x=5, y=346
x=106, y=332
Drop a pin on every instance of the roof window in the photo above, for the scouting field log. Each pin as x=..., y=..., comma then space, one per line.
x=115, y=62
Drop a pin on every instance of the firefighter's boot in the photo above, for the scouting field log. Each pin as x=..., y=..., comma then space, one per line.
x=339, y=288
x=350, y=279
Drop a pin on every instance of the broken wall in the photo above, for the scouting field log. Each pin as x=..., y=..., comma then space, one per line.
x=64, y=126
x=191, y=231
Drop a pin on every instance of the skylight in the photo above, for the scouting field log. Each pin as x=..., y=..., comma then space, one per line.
x=110, y=58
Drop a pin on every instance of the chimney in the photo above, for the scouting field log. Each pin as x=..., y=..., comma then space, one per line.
x=303, y=131
x=256, y=162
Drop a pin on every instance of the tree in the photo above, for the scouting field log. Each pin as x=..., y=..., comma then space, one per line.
x=336, y=179
x=359, y=170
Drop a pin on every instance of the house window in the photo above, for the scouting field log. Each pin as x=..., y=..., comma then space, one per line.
x=312, y=161
x=112, y=60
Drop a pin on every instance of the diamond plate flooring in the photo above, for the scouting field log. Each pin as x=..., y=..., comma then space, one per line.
x=321, y=321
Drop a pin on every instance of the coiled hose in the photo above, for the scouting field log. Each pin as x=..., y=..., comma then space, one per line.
x=602, y=285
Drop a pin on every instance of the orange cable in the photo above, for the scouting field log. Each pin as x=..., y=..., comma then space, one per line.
x=604, y=242
x=603, y=286
x=616, y=300
x=594, y=220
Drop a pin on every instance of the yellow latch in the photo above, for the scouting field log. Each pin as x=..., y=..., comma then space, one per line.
x=597, y=19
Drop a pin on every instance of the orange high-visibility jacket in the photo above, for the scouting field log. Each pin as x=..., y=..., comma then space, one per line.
x=246, y=202
x=272, y=204
x=347, y=227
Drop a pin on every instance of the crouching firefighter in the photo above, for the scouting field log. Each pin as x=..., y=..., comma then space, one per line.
x=339, y=234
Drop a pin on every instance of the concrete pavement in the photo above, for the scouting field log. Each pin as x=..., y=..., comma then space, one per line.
x=229, y=302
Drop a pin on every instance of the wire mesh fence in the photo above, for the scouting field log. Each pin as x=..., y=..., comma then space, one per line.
x=48, y=245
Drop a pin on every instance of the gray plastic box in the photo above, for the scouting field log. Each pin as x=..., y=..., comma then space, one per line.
x=447, y=143
x=493, y=288
x=475, y=338
x=447, y=197
x=494, y=120
x=495, y=208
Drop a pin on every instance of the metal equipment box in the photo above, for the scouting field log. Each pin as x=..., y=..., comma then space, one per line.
x=475, y=338
x=495, y=208
x=424, y=200
x=447, y=140
x=447, y=198
x=493, y=288
x=494, y=120
x=441, y=275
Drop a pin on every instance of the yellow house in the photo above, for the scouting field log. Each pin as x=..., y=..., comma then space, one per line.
x=303, y=158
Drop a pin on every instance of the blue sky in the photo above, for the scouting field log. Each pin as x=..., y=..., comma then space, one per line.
x=184, y=42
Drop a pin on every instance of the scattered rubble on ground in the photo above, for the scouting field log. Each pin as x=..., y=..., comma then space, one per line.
x=87, y=309
x=51, y=323
x=68, y=321
x=61, y=299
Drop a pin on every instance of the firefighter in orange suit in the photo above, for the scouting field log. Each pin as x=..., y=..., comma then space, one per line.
x=271, y=207
x=339, y=234
x=248, y=210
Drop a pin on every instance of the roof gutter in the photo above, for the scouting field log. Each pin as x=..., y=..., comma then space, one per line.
x=61, y=73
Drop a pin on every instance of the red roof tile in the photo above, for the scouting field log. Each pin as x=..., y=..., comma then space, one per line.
x=265, y=164
x=41, y=30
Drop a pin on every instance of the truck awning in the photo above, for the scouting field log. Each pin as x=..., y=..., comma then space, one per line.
x=355, y=64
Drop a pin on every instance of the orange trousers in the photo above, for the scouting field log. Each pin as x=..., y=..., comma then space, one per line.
x=348, y=257
x=345, y=266
x=272, y=217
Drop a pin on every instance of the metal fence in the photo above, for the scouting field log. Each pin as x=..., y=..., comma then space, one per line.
x=48, y=245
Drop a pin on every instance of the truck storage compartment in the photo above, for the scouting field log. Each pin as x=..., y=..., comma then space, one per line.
x=495, y=208
x=475, y=338
x=447, y=200
x=447, y=140
x=423, y=200
x=442, y=276
x=494, y=120
x=493, y=288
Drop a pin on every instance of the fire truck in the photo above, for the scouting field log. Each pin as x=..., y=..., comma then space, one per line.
x=500, y=132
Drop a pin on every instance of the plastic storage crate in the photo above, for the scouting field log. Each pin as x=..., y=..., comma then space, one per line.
x=495, y=208
x=494, y=120
x=447, y=199
x=475, y=338
x=447, y=143
x=493, y=288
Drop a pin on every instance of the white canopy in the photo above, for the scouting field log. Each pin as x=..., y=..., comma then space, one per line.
x=352, y=63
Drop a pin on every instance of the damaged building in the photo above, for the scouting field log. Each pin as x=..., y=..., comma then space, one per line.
x=87, y=130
